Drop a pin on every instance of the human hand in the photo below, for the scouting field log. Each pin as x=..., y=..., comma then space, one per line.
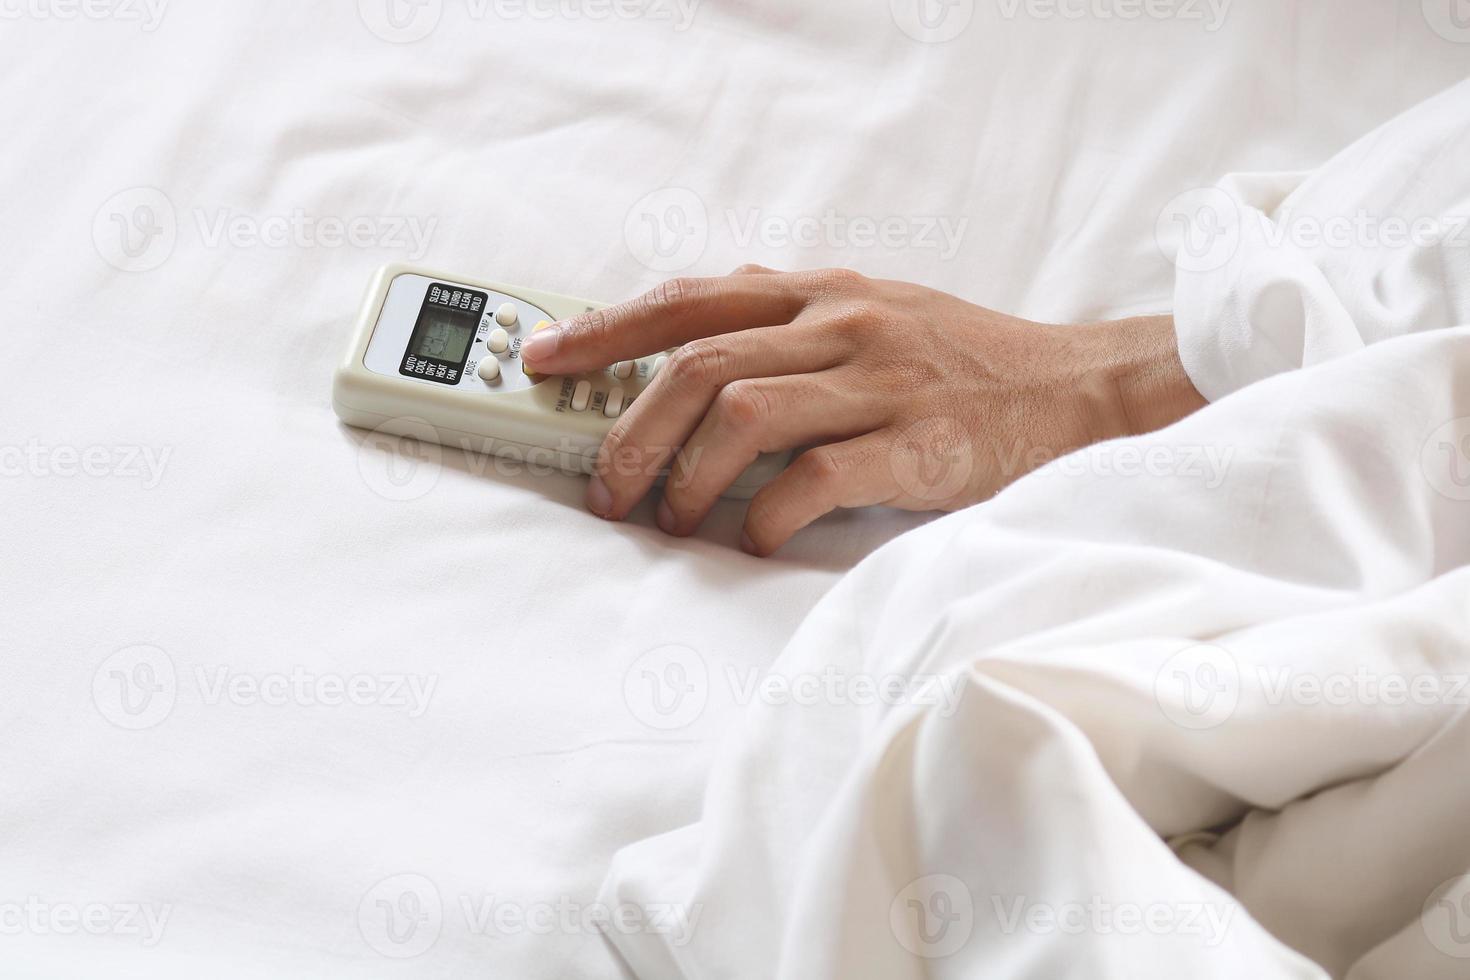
x=907, y=396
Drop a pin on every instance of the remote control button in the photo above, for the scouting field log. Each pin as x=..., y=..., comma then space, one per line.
x=614, y=406
x=658, y=365
x=581, y=395
x=506, y=315
x=489, y=369
x=498, y=341
x=623, y=370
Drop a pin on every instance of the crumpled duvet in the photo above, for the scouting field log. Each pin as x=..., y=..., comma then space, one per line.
x=1191, y=704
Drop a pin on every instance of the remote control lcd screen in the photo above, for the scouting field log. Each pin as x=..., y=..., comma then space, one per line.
x=444, y=335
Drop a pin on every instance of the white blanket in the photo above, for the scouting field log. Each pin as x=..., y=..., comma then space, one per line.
x=225, y=521
x=1248, y=636
x=1273, y=668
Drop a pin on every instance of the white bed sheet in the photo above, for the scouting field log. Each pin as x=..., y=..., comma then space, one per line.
x=269, y=543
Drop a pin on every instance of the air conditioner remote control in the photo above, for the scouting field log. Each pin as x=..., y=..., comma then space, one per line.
x=437, y=357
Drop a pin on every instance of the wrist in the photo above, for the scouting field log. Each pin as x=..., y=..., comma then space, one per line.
x=1139, y=380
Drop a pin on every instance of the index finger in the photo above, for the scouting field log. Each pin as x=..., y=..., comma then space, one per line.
x=669, y=315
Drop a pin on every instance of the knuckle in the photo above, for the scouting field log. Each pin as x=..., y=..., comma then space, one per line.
x=698, y=362
x=594, y=327
x=821, y=468
x=842, y=280
x=856, y=316
x=673, y=296
x=744, y=404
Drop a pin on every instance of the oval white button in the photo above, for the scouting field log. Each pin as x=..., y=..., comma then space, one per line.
x=498, y=341
x=489, y=369
x=580, y=396
x=506, y=315
x=658, y=365
x=614, y=406
x=623, y=369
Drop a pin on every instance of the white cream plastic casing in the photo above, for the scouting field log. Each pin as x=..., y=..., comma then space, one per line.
x=531, y=420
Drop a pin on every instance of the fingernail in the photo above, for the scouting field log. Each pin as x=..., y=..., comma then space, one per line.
x=665, y=517
x=599, y=497
x=747, y=545
x=540, y=346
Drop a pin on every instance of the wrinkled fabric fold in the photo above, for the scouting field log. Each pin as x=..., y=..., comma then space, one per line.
x=1281, y=271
